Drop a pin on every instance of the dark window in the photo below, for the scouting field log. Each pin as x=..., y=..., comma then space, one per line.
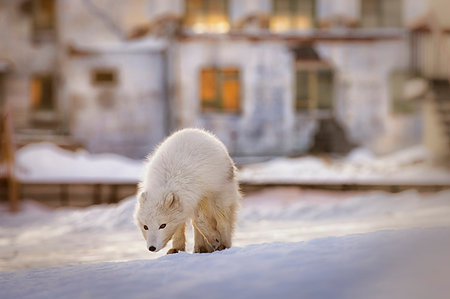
x=292, y=14
x=42, y=93
x=314, y=89
x=381, y=13
x=44, y=19
x=207, y=16
x=401, y=104
x=104, y=77
x=220, y=90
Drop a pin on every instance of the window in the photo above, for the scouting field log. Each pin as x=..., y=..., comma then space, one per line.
x=104, y=77
x=292, y=14
x=401, y=104
x=208, y=16
x=43, y=20
x=220, y=90
x=42, y=93
x=314, y=89
x=381, y=13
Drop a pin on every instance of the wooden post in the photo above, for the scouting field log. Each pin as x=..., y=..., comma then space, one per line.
x=64, y=194
x=96, y=194
x=113, y=193
x=8, y=150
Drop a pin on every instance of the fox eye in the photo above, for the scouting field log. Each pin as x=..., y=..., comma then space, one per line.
x=145, y=227
x=162, y=226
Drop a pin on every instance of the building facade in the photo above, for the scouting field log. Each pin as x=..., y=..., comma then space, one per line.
x=268, y=77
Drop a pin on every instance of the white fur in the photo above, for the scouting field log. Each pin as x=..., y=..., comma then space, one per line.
x=189, y=176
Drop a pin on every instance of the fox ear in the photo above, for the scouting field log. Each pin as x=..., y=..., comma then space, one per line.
x=172, y=201
x=142, y=197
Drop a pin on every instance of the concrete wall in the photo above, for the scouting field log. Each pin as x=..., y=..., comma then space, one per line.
x=266, y=123
x=26, y=58
x=129, y=117
x=362, y=99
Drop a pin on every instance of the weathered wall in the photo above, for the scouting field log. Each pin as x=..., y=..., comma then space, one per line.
x=362, y=98
x=26, y=57
x=266, y=123
x=129, y=117
x=269, y=124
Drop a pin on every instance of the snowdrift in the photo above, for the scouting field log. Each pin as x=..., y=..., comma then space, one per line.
x=387, y=264
x=409, y=166
x=45, y=162
x=39, y=237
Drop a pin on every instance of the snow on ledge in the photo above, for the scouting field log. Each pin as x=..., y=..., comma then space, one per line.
x=46, y=162
x=409, y=166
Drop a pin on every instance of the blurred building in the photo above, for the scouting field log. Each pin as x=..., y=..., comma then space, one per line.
x=268, y=77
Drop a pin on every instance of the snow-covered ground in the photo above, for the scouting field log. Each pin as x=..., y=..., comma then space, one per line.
x=404, y=264
x=38, y=236
x=288, y=243
x=409, y=166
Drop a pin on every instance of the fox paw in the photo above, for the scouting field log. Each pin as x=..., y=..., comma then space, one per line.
x=173, y=250
x=221, y=247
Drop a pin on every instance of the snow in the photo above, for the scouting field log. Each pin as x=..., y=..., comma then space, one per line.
x=387, y=264
x=46, y=162
x=39, y=236
x=288, y=243
x=409, y=166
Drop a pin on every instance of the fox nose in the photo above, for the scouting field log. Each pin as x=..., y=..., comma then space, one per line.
x=152, y=248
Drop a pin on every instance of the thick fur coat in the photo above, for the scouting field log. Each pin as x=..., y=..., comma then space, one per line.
x=189, y=176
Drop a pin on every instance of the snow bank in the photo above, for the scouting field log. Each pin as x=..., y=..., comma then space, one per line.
x=43, y=162
x=387, y=264
x=38, y=236
x=410, y=166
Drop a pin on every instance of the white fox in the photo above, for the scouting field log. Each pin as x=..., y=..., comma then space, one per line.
x=189, y=176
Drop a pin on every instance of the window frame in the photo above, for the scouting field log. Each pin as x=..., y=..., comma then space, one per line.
x=293, y=12
x=381, y=20
x=43, y=33
x=313, y=101
x=217, y=105
x=206, y=13
x=94, y=72
x=41, y=116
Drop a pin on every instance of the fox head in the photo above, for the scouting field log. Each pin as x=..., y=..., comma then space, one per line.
x=158, y=218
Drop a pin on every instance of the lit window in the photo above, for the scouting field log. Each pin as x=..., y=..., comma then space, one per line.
x=43, y=20
x=42, y=93
x=207, y=16
x=292, y=14
x=220, y=90
x=314, y=89
x=381, y=13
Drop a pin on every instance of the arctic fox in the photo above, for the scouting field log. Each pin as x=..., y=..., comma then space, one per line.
x=189, y=176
